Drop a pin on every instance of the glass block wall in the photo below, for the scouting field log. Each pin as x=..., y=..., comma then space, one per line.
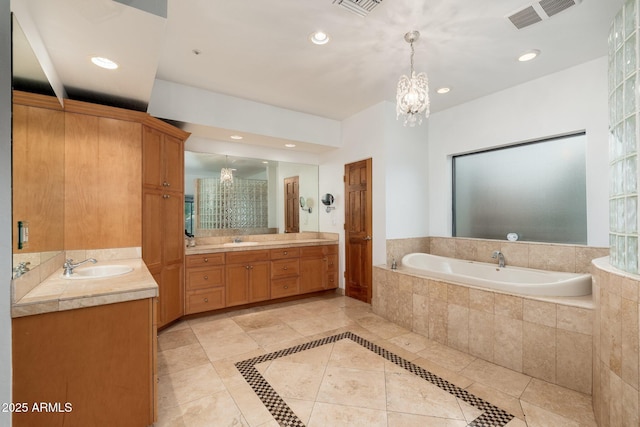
x=241, y=204
x=623, y=138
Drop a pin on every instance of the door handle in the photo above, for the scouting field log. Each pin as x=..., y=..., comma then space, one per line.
x=366, y=238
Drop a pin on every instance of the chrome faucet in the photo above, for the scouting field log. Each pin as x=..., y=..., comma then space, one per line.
x=69, y=265
x=237, y=240
x=21, y=269
x=500, y=256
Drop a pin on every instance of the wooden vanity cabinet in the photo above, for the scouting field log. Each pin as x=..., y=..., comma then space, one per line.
x=163, y=214
x=318, y=268
x=205, y=283
x=247, y=277
x=99, y=360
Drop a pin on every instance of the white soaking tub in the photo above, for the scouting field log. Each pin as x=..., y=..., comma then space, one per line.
x=515, y=280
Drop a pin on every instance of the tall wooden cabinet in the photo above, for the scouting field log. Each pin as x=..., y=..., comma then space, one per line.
x=163, y=214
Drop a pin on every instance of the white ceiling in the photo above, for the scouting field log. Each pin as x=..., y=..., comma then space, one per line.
x=258, y=49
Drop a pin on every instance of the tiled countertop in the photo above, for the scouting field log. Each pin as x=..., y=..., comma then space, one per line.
x=268, y=244
x=56, y=293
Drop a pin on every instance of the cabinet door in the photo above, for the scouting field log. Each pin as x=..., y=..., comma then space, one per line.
x=152, y=229
x=259, y=282
x=237, y=284
x=171, y=294
x=152, y=164
x=173, y=153
x=312, y=274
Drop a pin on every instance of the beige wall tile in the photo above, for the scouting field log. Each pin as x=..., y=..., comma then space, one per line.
x=421, y=286
x=630, y=413
x=397, y=248
x=481, y=300
x=438, y=315
x=508, y=306
x=420, y=316
x=458, y=295
x=507, y=343
x=629, y=288
x=481, y=333
x=458, y=327
x=466, y=249
x=437, y=290
x=584, y=256
x=615, y=404
x=539, y=351
x=485, y=248
x=516, y=253
x=443, y=246
x=575, y=319
x=552, y=257
x=629, y=344
x=540, y=312
x=574, y=361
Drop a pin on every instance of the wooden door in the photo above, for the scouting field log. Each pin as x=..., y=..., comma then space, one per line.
x=291, y=201
x=358, y=230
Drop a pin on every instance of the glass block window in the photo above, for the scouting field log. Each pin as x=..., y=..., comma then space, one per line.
x=241, y=204
x=536, y=190
x=623, y=139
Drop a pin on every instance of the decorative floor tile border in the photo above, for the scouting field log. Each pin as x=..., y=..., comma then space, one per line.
x=492, y=416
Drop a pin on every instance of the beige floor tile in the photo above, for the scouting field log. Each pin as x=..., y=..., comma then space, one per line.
x=568, y=403
x=353, y=387
x=470, y=412
x=275, y=334
x=216, y=328
x=348, y=354
x=508, y=381
x=501, y=400
x=444, y=373
x=217, y=409
x=446, y=357
x=169, y=417
x=229, y=345
x=188, y=385
x=315, y=356
x=182, y=324
x=310, y=326
x=295, y=380
x=302, y=408
x=410, y=394
x=252, y=409
x=174, y=338
x=398, y=419
x=326, y=414
x=180, y=358
x=411, y=342
x=380, y=327
x=257, y=320
x=538, y=417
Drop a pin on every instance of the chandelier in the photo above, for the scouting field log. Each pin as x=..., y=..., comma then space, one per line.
x=412, y=98
x=226, y=173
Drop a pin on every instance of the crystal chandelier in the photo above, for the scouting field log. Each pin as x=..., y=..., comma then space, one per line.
x=412, y=98
x=226, y=174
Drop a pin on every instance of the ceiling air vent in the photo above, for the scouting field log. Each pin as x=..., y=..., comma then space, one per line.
x=359, y=7
x=538, y=11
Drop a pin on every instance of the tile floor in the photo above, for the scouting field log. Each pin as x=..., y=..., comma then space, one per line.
x=329, y=361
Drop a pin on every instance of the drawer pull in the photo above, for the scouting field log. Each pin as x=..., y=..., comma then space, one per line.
x=206, y=300
x=286, y=253
x=285, y=268
x=206, y=260
x=206, y=277
x=285, y=287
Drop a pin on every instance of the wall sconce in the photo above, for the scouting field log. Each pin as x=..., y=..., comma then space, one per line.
x=327, y=200
x=305, y=205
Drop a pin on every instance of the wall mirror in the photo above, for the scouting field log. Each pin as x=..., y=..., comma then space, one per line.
x=37, y=161
x=256, y=200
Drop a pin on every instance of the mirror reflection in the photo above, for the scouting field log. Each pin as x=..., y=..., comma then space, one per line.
x=229, y=195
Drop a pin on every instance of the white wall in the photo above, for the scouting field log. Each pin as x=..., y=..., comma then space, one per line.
x=399, y=158
x=5, y=209
x=571, y=100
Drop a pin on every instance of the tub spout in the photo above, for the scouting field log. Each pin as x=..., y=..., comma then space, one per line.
x=500, y=256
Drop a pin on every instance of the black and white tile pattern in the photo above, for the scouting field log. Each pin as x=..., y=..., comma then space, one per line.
x=492, y=416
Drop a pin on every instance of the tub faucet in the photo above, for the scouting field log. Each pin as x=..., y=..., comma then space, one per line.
x=237, y=240
x=69, y=265
x=500, y=256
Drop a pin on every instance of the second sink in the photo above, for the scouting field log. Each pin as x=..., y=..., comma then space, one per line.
x=100, y=271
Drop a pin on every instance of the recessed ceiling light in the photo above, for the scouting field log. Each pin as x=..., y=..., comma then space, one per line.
x=444, y=90
x=528, y=56
x=289, y=145
x=319, y=37
x=236, y=137
x=265, y=162
x=104, y=63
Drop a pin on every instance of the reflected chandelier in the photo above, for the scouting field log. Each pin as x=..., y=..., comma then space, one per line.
x=412, y=97
x=226, y=173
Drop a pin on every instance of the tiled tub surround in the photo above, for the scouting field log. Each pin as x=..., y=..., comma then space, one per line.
x=615, y=346
x=42, y=290
x=546, y=338
x=541, y=256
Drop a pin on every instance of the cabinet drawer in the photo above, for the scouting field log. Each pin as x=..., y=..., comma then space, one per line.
x=242, y=257
x=205, y=277
x=205, y=259
x=331, y=249
x=284, y=287
x=205, y=300
x=285, y=268
x=332, y=263
x=312, y=251
x=285, y=253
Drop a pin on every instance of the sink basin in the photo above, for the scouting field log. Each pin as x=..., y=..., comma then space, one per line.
x=235, y=244
x=99, y=272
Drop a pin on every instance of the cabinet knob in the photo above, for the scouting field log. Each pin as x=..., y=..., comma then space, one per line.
x=206, y=277
x=285, y=287
x=246, y=266
x=165, y=184
x=285, y=268
x=206, y=260
x=165, y=196
x=206, y=300
x=285, y=252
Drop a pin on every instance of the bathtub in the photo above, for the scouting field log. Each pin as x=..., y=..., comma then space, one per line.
x=515, y=280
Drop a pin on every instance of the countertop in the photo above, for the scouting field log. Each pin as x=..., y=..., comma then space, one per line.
x=56, y=293
x=268, y=244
